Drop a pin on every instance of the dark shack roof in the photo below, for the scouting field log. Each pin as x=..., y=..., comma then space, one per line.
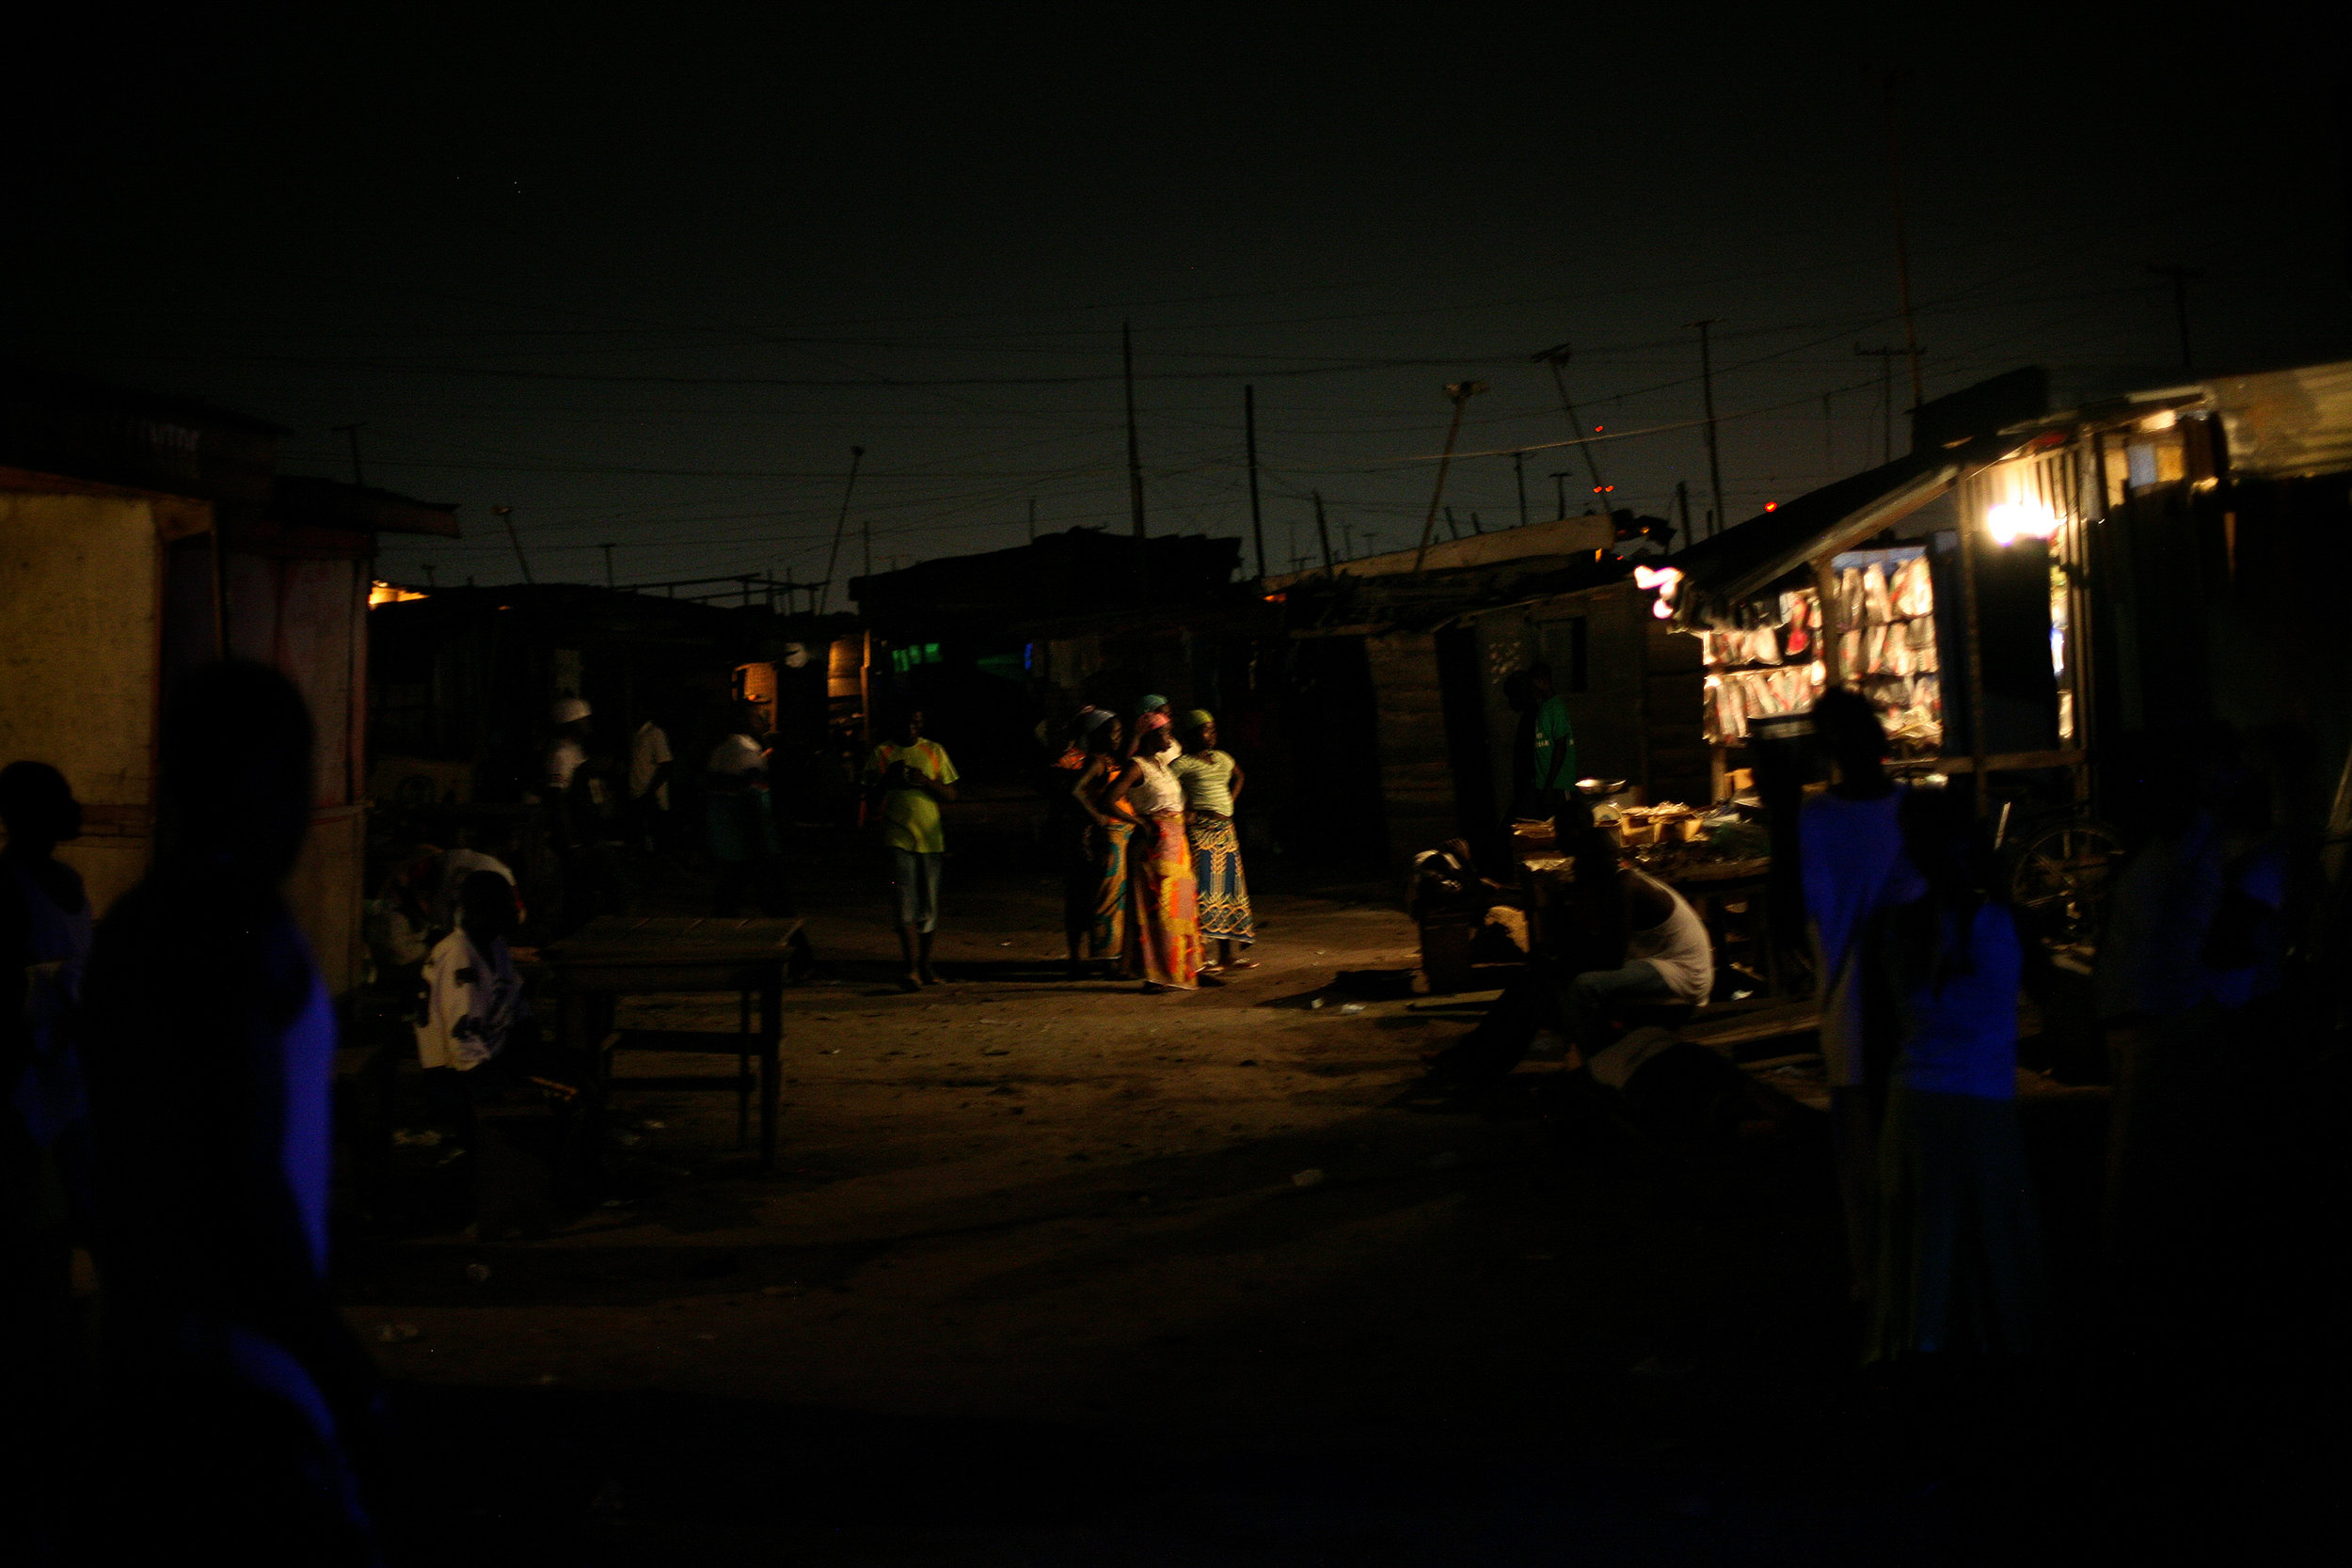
x=1748, y=557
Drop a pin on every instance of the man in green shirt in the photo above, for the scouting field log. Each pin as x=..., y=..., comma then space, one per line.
x=910, y=779
x=1555, y=741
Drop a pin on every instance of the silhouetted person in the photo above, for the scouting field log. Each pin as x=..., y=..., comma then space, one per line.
x=44, y=946
x=1851, y=868
x=1551, y=743
x=2192, y=955
x=746, y=848
x=1958, y=1295
x=237, y=1393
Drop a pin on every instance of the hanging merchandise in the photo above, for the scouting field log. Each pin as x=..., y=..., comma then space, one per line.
x=1914, y=587
x=1850, y=652
x=1876, y=608
x=1800, y=634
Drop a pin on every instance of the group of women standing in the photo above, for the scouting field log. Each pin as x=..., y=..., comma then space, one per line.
x=1152, y=864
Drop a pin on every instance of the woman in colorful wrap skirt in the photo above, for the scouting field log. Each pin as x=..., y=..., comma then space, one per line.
x=1162, y=913
x=1094, y=842
x=1212, y=780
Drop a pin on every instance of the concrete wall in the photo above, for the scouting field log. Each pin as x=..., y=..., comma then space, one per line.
x=78, y=651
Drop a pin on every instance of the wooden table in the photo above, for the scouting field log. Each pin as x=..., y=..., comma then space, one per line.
x=615, y=956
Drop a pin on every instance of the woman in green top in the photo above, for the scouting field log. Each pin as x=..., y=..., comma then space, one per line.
x=1212, y=780
x=910, y=779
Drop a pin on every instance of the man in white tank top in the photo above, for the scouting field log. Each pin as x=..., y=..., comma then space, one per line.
x=1668, y=959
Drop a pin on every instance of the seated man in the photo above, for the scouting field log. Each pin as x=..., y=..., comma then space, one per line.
x=1616, y=938
x=473, y=1001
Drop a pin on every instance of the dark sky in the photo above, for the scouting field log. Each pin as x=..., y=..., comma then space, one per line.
x=646, y=278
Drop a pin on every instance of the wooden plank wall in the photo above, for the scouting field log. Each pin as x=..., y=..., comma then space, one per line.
x=1416, y=769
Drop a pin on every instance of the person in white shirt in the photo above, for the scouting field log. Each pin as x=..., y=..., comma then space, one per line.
x=649, y=763
x=745, y=848
x=477, y=849
x=567, y=748
x=473, y=999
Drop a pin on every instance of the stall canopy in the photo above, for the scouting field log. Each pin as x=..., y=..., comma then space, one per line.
x=1743, y=562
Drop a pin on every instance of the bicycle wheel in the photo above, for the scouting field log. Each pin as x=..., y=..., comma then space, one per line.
x=2058, y=876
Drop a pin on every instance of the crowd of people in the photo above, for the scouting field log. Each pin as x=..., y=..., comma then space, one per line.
x=1142, y=822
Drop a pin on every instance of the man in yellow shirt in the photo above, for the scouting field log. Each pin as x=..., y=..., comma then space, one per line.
x=910, y=779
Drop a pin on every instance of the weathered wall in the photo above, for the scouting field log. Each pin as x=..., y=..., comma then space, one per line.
x=306, y=618
x=1416, y=770
x=78, y=595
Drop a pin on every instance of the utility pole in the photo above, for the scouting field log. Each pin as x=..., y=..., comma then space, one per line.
x=608, y=564
x=1560, y=492
x=833, y=556
x=1902, y=244
x=1706, y=394
x=351, y=434
x=2180, y=276
x=1885, y=357
x=1135, y=456
x=1461, y=392
x=1323, y=531
x=506, y=514
x=1557, y=357
x=1250, y=424
x=1453, y=529
x=1682, y=504
x=1519, y=477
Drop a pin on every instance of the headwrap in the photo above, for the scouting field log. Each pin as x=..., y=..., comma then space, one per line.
x=1198, y=720
x=1091, y=720
x=1156, y=720
x=1150, y=703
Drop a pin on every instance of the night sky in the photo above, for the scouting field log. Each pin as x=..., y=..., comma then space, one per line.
x=646, y=280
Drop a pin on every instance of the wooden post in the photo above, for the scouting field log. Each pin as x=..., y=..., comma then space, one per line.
x=1706, y=395
x=1323, y=531
x=1461, y=392
x=1250, y=425
x=1969, y=522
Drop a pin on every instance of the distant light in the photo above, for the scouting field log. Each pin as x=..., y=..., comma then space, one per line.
x=2011, y=520
x=380, y=592
x=1772, y=506
x=1599, y=428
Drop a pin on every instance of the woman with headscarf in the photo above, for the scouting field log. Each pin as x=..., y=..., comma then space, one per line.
x=1093, y=839
x=1212, y=782
x=1163, y=945
x=1151, y=715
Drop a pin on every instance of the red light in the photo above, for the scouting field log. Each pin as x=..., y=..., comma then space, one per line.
x=1772, y=506
x=1599, y=428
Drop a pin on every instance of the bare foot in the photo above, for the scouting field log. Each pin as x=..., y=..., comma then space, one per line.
x=910, y=981
x=930, y=977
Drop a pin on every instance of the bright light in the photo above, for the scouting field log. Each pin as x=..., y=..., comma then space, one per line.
x=1665, y=580
x=2011, y=520
x=1772, y=506
x=386, y=592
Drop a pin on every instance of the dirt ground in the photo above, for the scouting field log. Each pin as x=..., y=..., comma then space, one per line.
x=1055, y=1272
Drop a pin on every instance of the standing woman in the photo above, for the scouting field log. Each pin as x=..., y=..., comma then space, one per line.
x=1094, y=845
x=1959, y=1257
x=1164, y=915
x=1212, y=782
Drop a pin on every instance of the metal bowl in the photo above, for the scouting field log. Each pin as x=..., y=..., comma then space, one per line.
x=1600, y=790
